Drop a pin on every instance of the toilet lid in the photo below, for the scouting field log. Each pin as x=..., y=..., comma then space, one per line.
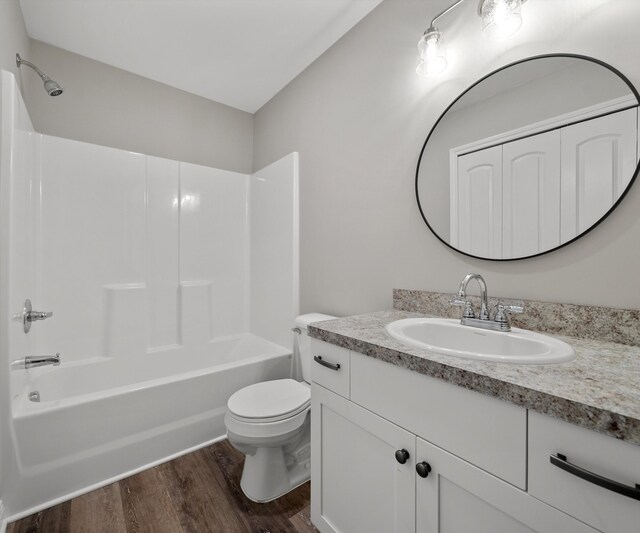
x=270, y=399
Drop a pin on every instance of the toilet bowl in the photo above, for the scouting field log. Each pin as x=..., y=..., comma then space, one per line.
x=269, y=422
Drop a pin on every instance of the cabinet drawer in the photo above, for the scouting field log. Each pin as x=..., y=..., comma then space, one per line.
x=593, y=452
x=457, y=496
x=487, y=432
x=330, y=367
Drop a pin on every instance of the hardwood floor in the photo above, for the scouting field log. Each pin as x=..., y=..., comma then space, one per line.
x=197, y=493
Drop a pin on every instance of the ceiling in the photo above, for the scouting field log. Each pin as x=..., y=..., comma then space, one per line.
x=237, y=52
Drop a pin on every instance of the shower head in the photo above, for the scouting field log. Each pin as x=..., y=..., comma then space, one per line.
x=53, y=88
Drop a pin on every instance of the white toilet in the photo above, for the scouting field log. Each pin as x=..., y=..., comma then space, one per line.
x=269, y=423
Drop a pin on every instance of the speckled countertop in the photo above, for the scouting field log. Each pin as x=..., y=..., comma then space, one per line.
x=599, y=390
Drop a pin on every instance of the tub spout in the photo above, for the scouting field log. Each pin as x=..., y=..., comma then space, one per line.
x=32, y=361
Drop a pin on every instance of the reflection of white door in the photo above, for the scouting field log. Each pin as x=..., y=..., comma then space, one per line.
x=531, y=195
x=598, y=160
x=476, y=207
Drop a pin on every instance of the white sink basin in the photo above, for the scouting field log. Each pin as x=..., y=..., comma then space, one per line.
x=449, y=337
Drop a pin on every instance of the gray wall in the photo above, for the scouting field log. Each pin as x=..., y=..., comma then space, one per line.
x=108, y=106
x=13, y=39
x=359, y=115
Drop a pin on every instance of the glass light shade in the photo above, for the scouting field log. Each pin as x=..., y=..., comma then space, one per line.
x=501, y=18
x=432, y=58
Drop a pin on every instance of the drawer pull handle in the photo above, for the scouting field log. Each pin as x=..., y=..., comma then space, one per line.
x=423, y=469
x=332, y=366
x=561, y=461
x=402, y=456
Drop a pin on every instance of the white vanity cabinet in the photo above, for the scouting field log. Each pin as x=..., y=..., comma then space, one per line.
x=358, y=484
x=372, y=442
x=591, y=458
x=457, y=497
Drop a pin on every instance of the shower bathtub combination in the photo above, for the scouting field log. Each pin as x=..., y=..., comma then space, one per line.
x=91, y=426
x=172, y=285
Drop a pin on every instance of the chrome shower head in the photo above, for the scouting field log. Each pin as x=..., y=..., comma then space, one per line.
x=53, y=88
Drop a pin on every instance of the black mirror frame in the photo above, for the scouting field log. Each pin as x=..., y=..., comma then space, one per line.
x=533, y=58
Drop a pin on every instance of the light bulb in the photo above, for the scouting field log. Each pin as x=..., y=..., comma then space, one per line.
x=432, y=57
x=501, y=18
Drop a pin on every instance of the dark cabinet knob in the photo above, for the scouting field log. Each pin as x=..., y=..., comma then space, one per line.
x=402, y=456
x=423, y=469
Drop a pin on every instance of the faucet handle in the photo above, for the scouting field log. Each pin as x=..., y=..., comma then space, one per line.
x=502, y=312
x=28, y=316
x=468, y=307
x=32, y=316
x=514, y=309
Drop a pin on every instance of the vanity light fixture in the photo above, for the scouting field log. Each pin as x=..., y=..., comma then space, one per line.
x=501, y=18
x=432, y=58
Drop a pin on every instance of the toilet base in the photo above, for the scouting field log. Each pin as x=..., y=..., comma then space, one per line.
x=274, y=466
x=266, y=476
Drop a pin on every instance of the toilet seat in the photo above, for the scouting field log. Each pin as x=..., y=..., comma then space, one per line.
x=268, y=410
x=269, y=401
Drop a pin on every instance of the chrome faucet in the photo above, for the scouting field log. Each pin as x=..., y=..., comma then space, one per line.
x=500, y=320
x=32, y=361
x=484, y=300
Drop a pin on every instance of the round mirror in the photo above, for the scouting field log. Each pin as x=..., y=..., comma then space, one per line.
x=530, y=157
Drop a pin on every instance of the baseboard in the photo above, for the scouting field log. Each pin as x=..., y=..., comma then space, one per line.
x=101, y=484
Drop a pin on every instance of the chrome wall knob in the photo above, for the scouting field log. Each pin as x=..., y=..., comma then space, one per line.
x=39, y=315
x=28, y=316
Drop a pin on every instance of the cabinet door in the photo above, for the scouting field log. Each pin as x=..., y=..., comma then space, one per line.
x=531, y=195
x=357, y=483
x=476, y=203
x=568, y=490
x=598, y=161
x=457, y=497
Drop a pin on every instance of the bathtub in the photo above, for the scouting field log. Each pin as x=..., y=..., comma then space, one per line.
x=100, y=420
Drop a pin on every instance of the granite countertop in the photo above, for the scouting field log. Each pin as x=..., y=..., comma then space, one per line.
x=599, y=390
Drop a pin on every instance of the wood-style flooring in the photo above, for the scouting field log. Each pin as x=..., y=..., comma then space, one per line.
x=197, y=493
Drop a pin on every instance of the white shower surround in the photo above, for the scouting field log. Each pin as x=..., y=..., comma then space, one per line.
x=167, y=280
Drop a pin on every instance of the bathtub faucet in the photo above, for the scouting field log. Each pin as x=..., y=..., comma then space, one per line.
x=32, y=361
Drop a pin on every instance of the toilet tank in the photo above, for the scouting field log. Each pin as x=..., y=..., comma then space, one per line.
x=304, y=341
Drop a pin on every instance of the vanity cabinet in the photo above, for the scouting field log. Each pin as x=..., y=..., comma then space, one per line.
x=358, y=484
x=398, y=451
x=370, y=475
x=597, y=457
x=457, y=497
x=484, y=431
